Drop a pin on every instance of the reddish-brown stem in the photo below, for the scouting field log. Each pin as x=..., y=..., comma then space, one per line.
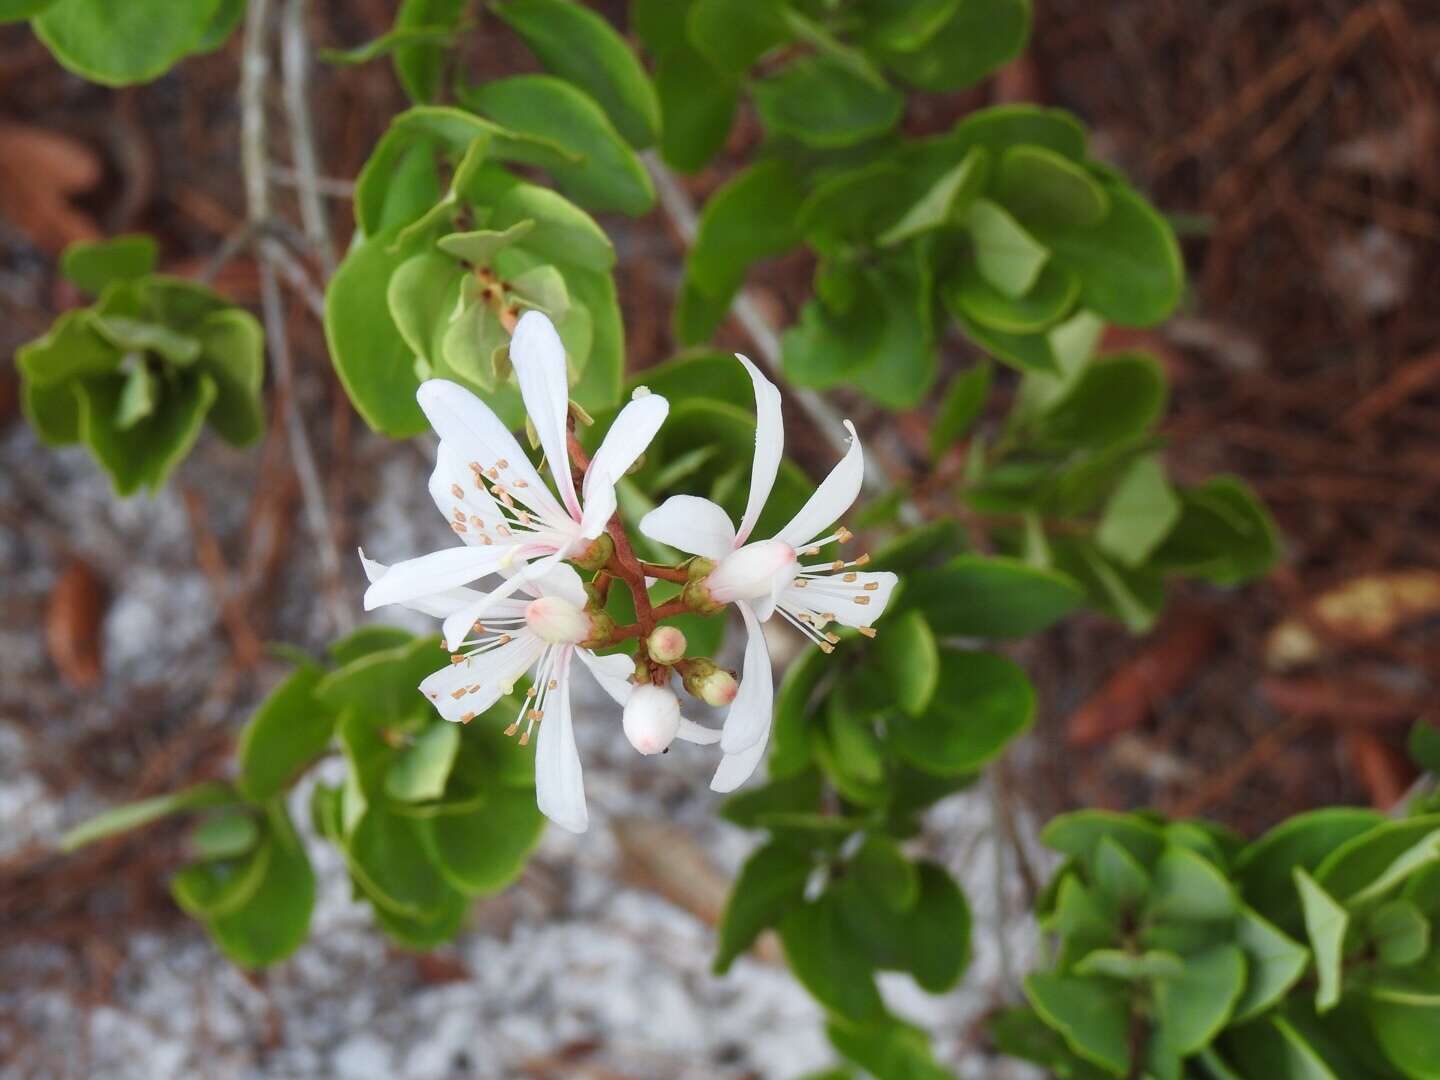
x=665, y=573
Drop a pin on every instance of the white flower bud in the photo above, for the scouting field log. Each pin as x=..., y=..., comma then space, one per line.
x=652, y=717
x=556, y=620
x=666, y=644
x=755, y=571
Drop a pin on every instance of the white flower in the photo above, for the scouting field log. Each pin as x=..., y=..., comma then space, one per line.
x=494, y=498
x=767, y=576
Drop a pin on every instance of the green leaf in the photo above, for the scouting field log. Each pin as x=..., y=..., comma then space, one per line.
x=791, y=752
x=904, y=25
x=750, y=217
x=736, y=33
x=909, y=661
x=214, y=887
x=1008, y=257
x=1424, y=744
x=1423, y=854
x=981, y=702
x=370, y=356
x=289, y=730
x=134, y=815
x=1385, y=855
x=401, y=38
x=852, y=751
x=1192, y=1008
x=1031, y=352
x=563, y=234
x=770, y=883
x=891, y=1049
x=119, y=44
x=697, y=104
x=484, y=850
x=1189, y=888
x=1131, y=967
x=1093, y=1017
x=1140, y=512
x=930, y=941
x=1409, y=1037
x=145, y=454
x=973, y=596
x=368, y=639
x=959, y=409
x=1002, y=126
x=1326, y=923
x=946, y=201
x=823, y=103
x=91, y=266
x=607, y=176
x=1049, y=300
x=232, y=353
x=1019, y=1032
x=1039, y=185
x=882, y=868
x=420, y=58
x=1224, y=534
x=480, y=246
x=420, y=770
x=137, y=398
x=1274, y=962
x=386, y=852
x=823, y=956
x=1400, y=933
x=797, y=792
x=1128, y=264
x=1273, y=1047
x=226, y=835
x=140, y=336
x=422, y=295
x=580, y=47
x=978, y=38
x=16, y=10
x=1118, y=877
x=1116, y=399
x=1079, y=834
x=1263, y=869
x=275, y=919
x=227, y=18
x=426, y=931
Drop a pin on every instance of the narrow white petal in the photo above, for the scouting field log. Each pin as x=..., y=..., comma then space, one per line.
x=748, y=720
x=468, y=508
x=560, y=580
x=831, y=499
x=691, y=524
x=769, y=447
x=477, y=435
x=850, y=603
x=559, y=781
x=690, y=731
x=539, y=359
x=611, y=672
x=462, y=690
x=626, y=440
x=438, y=604
x=433, y=573
x=457, y=625
x=735, y=769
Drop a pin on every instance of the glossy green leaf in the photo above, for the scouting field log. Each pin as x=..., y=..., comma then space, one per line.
x=232, y=353
x=904, y=25
x=1131, y=967
x=1274, y=962
x=1019, y=1032
x=1116, y=399
x=91, y=266
x=274, y=920
x=697, y=104
x=1187, y=887
x=1038, y=184
x=579, y=46
x=1192, y=1008
x=483, y=851
x=1424, y=853
x=823, y=956
x=563, y=234
x=1028, y=352
x=141, y=336
x=736, y=33
x=946, y=202
x=226, y=835
x=1410, y=1038
x=1050, y=299
x=607, y=176
x=284, y=735
x=422, y=295
x=137, y=397
x=1263, y=869
x=134, y=815
x=119, y=44
x=430, y=929
x=1273, y=1047
x=211, y=888
x=1140, y=512
x=973, y=596
x=1079, y=834
x=961, y=406
x=890, y=1048
x=1224, y=535
x=146, y=454
x=823, y=103
x=981, y=702
x=979, y=37
x=420, y=770
x=1326, y=923
x=909, y=661
x=1093, y=1017
x=420, y=61
x=930, y=941
x=1118, y=876
x=1128, y=264
x=1400, y=933
x=16, y=10
x=770, y=884
x=882, y=868
x=1007, y=256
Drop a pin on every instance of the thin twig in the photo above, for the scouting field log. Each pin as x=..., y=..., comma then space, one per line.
x=254, y=69
x=295, y=62
x=329, y=186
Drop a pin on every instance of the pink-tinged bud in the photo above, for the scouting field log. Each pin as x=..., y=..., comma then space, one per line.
x=710, y=683
x=752, y=572
x=666, y=644
x=651, y=719
x=556, y=620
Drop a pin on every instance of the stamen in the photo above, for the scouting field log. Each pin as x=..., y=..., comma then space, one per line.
x=492, y=473
x=457, y=658
x=458, y=694
x=825, y=646
x=833, y=639
x=801, y=583
x=844, y=535
x=852, y=576
x=868, y=631
x=862, y=560
x=457, y=491
x=862, y=600
x=458, y=527
x=525, y=739
x=512, y=729
x=465, y=718
x=459, y=513
x=838, y=564
x=871, y=586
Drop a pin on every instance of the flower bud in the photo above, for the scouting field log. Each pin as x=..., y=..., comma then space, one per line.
x=666, y=644
x=597, y=554
x=708, y=681
x=651, y=719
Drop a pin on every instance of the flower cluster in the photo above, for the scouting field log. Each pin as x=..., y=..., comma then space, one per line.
x=534, y=613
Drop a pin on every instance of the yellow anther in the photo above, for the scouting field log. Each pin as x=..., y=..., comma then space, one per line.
x=852, y=576
x=512, y=729
x=525, y=739
x=458, y=694
x=457, y=491
x=868, y=631
x=871, y=586
x=844, y=535
x=862, y=600
x=862, y=560
x=465, y=718
x=825, y=646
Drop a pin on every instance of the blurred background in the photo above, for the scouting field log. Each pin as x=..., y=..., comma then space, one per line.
x=1295, y=145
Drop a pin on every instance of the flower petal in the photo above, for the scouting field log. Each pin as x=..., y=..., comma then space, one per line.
x=735, y=769
x=831, y=598
x=461, y=498
x=748, y=720
x=560, y=580
x=831, y=499
x=457, y=625
x=539, y=359
x=626, y=440
x=460, y=691
x=476, y=434
x=433, y=573
x=691, y=524
x=559, y=780
x=690, y=731
x=769, y=446
x=438, y=604
x=611, y=672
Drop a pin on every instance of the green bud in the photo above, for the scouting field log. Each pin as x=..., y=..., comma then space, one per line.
x=597, y=554
x=666, y=644
x=708, y=681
